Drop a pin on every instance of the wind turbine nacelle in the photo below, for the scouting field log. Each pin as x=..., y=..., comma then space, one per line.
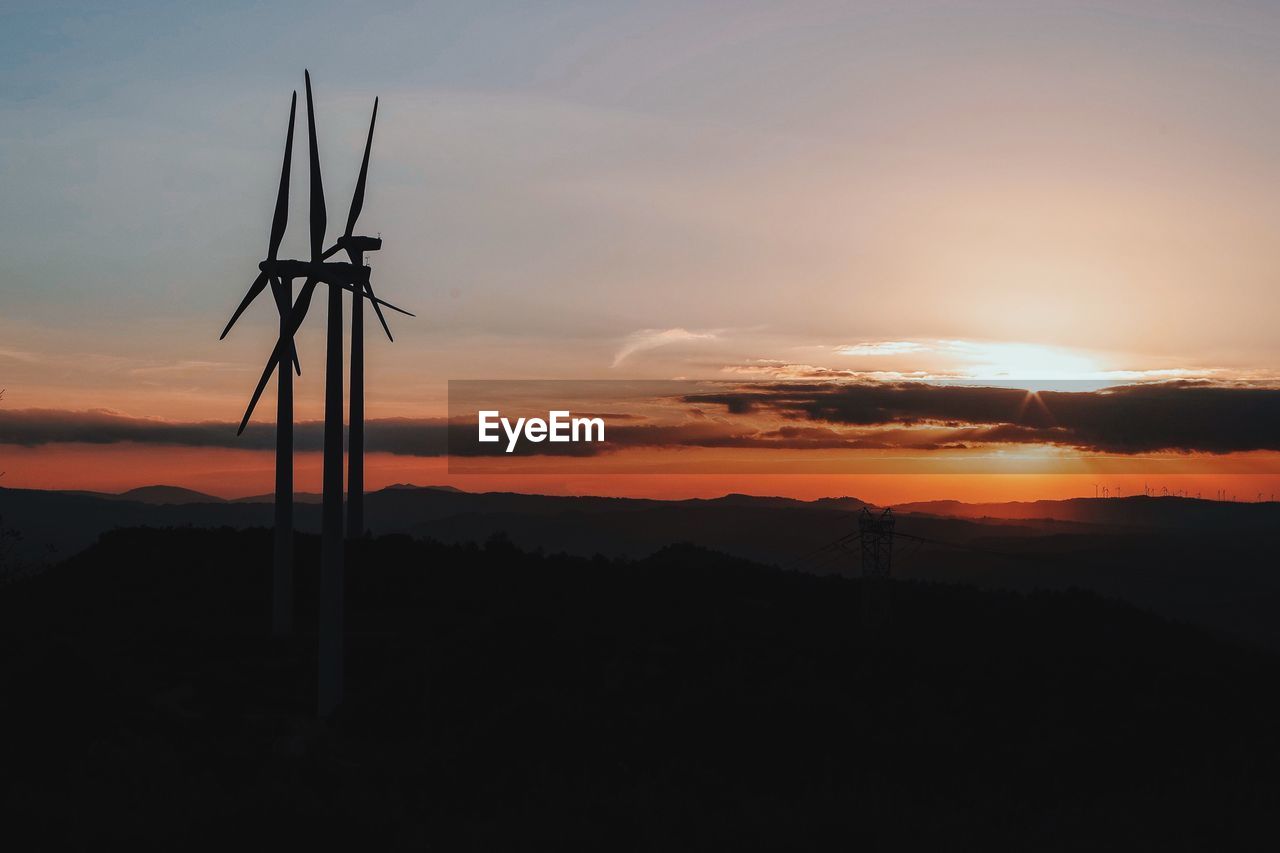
x=330, y=272
x=360, y=245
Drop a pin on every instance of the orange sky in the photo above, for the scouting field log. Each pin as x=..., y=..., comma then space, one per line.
x=235, y=473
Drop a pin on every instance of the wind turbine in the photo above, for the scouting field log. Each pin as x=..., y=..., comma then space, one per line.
x=282, y=291
x=338, y=276
x=356, y=247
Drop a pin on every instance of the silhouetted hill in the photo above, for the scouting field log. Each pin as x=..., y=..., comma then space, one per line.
x=167, y=495
x=315, y=497
x=298, y=498
x=847, y=504
x=505, y=700
x=745, y=525
x=149, y=495
x=55, y=525
x=1137, y=511
x=1214, y=569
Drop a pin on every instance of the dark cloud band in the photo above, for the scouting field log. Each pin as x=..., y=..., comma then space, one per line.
x=35, y=427
x=1176, y=416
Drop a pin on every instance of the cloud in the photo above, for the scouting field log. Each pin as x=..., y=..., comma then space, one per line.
x=1179, y=416
x=883, y=348
x=422, y=437
x=786, y=370
x=186, y=366
x=19, y=355
x=647, y=339
x=35, y=427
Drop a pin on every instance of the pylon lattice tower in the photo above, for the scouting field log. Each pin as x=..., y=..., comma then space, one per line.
x=875, y=532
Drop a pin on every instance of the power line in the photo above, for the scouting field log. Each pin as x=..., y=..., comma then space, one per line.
x=877, y=536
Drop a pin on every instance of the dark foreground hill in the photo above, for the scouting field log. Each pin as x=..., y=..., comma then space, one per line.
x=502, y=700
x=1199, y=561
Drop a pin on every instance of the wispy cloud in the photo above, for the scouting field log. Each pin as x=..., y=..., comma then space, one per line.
x=870, y=348
x=648, y=339
x=187, y=366
x=19, y=355
x=766, y=368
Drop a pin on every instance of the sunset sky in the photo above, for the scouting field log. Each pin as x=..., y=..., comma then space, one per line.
x=728, y=191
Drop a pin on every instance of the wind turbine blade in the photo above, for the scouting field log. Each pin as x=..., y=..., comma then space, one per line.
x=281, y=218
x=357, y=200
x=376, y=301
x=262, y=384
x=254, y=289
x=318, y=214
x=295, y=321
x=300, y=307
x=283, y=295
x=378, y=309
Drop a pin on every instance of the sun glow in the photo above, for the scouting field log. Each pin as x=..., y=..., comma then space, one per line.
x=1035, y=367
x=1023, y=361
